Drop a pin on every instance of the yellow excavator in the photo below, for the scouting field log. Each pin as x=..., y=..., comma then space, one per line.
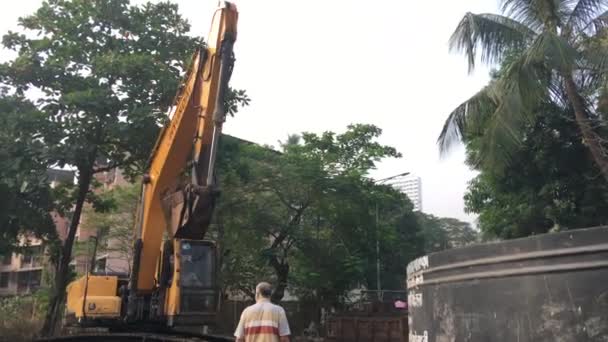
x=173, y=277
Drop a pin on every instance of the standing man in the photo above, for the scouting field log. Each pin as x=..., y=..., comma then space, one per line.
x=263, y=321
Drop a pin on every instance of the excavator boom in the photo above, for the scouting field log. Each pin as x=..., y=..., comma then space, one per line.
x=192, y=134
x=173, y=276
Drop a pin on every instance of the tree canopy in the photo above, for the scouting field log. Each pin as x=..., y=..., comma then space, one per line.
x=306, y=215
x=537, y=132
x=550, y=184
x=26, y=200
x=106, y=72
x=442, y=233
x=547, y=55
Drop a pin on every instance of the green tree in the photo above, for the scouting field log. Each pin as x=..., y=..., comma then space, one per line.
x=239, y=245
x=551, y=183
x=107, y=72
x=306, y=215
x=339, y=254
x=546, y=54
x=309, y=181
x=114, y=227
x=26, y=199
x=442, y=233
x=459, y=233
x=401, y=239
x=435, y=238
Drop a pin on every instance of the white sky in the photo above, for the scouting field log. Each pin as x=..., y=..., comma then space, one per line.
x=316, y=65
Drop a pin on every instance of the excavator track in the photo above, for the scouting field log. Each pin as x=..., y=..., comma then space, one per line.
x=148, y=337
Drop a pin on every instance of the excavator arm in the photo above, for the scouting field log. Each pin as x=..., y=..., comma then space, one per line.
x=172, y=276
x=192, y=135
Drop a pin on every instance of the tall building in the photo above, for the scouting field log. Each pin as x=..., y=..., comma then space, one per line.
x=114, y=257
x=21, y=273
x=411, y=186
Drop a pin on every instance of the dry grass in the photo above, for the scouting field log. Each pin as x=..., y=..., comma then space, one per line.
x=16, y=330
x=20, y=318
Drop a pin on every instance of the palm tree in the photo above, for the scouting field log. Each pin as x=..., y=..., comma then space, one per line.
x=546, y=54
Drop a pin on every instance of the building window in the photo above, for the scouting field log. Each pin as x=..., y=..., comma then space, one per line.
x=31, y=257
x=28, y=281
x=100, y=265
x=4, y=279
x=26, y=259
x=37, y=257
x=7, y=259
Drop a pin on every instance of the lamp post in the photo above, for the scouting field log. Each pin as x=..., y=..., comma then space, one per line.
x=381, y=181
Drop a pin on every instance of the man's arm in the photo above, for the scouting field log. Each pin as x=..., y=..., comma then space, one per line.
x=239, y=333
x=284, y=331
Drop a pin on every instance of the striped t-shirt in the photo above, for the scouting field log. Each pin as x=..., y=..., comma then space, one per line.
x=262, y=322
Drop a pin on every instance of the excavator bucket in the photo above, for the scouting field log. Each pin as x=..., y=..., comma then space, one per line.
x=188, y=211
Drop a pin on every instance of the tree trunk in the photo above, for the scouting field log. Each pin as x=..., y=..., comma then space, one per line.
x=582, y=119
x=55, y=310
x=282, y=271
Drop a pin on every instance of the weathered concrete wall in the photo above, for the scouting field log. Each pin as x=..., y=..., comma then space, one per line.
x=551, y=287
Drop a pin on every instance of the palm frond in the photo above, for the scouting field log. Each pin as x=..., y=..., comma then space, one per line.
x=535, y=14
x=519, y=92
x=523, y=84
x=495, y=35
x=497, y=137
x=499, y=143
x=599, y=23
x=553, y=50
x=557, y=94
x=594, y=60
x=498, y=113
x=584, y=12
x=468, y=115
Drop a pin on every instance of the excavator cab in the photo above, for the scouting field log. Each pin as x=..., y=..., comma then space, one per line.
x=187, y=283
x=197, y=276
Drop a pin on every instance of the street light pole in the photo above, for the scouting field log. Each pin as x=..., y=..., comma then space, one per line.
x=378, y=255
x=379, y=287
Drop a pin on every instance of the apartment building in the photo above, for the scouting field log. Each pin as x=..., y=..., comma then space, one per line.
x=21, y=273
x=112, y=261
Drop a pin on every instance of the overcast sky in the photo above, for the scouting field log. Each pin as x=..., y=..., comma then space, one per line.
x=317, y=65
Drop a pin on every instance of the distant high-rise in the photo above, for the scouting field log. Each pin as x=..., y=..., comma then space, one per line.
x=412, y=187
